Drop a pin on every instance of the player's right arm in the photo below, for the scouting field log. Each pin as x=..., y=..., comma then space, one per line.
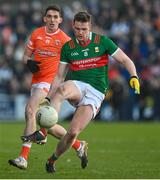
x=59, y=78
x=27, y=55
x=31, y=64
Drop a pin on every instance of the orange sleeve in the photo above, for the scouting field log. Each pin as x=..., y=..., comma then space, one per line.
x=66, y=38
x=31, y=41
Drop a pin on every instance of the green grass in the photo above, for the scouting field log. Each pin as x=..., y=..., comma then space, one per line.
x=116, y=150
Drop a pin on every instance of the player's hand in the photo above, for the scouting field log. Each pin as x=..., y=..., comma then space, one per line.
x=33, y=65
x=134, y=83
x=45, y=102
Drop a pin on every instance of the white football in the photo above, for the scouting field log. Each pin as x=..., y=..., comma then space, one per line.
x=46, y=116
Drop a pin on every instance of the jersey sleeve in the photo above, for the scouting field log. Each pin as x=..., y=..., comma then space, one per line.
x=31, y=40
x=110, y=46
x=66, y=39
x=64, y=58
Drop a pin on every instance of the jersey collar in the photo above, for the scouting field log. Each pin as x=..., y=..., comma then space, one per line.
x=57, y=31
x=89, y=40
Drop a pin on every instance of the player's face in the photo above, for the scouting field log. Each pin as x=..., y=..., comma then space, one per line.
x=52, y=20
x=81, y=31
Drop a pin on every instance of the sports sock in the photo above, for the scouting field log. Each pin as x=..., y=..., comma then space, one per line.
x=53, y=158
x=76, y=145
x=25, y=150
x=43, y=130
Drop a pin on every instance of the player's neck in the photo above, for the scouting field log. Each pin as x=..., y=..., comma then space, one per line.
x=86, y=41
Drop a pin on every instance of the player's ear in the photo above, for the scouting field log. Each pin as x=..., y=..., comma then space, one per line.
x=44, y=19
x=90, y=26
x=60, y=20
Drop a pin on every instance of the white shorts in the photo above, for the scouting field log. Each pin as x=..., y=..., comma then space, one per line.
x=42, y=85
x=89, y=96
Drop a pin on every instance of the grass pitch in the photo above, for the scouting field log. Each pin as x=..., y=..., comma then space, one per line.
x=116, y=151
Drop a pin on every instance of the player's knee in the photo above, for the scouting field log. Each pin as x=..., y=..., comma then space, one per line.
x=61, y=92
x=73, y=133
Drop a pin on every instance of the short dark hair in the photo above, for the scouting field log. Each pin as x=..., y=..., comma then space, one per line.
x=82, y=16
x=54, y=8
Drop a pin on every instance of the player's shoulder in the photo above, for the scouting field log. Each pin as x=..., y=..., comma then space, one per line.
x=96, y=35
x=63, y=34
x=104, y=37
x=38, y=30
x=69, y=44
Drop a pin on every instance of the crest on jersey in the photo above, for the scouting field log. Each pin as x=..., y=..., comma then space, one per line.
x=85, y=51
x=96, y=49
x=57, y=42
x=39, y=38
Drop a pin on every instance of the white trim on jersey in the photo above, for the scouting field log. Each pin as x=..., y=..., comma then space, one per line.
x=57, y=31
x=63, y=62
x=115, y=52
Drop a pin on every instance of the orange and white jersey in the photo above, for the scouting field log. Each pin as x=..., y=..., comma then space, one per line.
x=46, y=49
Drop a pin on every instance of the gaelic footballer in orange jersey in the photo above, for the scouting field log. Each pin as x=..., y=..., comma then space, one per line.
x=42, y=56
x=46, y=49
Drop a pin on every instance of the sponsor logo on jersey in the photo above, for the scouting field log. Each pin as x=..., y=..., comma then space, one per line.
x=46, y=53
x=89, y=63
x=74, y=54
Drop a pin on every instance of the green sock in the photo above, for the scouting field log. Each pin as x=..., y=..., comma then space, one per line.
x=54, y=157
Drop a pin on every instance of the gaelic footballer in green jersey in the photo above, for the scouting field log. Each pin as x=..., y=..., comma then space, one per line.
x=86, y=56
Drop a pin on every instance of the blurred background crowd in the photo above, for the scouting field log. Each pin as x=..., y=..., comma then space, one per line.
x=133, y=24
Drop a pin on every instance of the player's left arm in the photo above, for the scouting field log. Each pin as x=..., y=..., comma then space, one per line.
x=122, y=58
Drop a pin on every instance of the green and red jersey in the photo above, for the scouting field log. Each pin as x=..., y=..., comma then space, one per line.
x=89, y=63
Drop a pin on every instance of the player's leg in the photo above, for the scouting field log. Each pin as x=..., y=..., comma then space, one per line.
x=67, y=91
x=79, y=146
x=57, y=131
x=81, y=118
x=70, y=92
x=37, y=94
x=30, y=110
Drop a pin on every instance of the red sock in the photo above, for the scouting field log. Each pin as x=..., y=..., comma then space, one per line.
x=43, y=130
x=25, y=151
x=76, y=144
